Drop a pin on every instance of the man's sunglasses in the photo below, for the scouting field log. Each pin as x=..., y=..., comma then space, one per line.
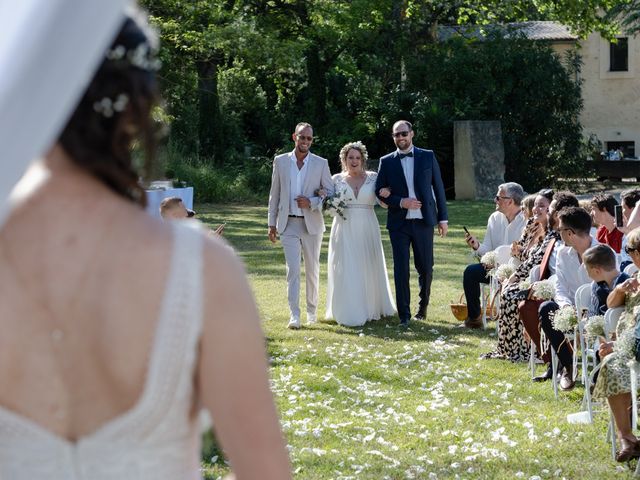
x=400, y=134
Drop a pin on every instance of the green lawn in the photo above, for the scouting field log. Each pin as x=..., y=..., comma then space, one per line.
x=379, y=403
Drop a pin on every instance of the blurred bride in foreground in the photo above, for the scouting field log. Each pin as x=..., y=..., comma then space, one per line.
x=109, y=347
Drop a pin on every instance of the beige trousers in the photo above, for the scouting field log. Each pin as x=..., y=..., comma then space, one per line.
x=296, y=240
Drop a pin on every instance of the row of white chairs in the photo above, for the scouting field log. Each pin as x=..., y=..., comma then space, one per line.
x=578, y=339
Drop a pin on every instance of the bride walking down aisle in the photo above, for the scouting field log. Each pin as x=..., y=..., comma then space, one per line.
x=358, y=287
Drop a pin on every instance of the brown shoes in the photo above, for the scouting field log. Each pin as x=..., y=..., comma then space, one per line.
x=566, y=381
x=472, y=322
x=629, y=449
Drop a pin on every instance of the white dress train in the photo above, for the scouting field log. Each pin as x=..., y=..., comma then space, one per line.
x=358, y=287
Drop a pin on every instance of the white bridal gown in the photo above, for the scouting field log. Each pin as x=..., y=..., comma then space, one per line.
x=358, y=288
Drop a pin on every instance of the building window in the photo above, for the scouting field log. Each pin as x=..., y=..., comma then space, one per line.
x=625, y=149
x=619, y=55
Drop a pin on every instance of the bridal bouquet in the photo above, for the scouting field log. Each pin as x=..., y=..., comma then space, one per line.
x=594, y=327
x=565, y=318
x=544, y=290
x=504, y=271
x=335, y=204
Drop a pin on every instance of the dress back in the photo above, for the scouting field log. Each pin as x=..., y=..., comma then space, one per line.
x=158, y=438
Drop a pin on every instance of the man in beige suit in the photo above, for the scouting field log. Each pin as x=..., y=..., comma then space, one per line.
x=295, y=214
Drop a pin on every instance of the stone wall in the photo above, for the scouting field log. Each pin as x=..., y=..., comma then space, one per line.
x=478, y=159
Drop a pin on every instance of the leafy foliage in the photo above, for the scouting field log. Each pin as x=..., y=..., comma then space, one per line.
x=239, y=74
x=522, y=84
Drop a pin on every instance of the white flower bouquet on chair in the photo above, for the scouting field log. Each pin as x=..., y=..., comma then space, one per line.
x=565, y=318
x=504, y=271
x=489, y=261
x=544, y=290
x=594, y=327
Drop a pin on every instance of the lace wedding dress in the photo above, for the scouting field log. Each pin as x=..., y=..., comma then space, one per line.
x=157, y=439
x=358, y=287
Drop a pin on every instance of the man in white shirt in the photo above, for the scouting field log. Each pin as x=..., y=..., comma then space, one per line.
x=574, y=226
x=504, y=227
x=295, y=214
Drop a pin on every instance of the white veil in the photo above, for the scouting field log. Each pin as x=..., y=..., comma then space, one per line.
x=49, y=50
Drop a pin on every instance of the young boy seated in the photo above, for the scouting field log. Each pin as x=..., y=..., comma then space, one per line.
x=600, y=263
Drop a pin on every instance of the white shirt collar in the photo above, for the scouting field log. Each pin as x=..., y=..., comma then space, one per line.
x=295, y=159
x=398, y=151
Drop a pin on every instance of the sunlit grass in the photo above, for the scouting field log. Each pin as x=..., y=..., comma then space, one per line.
x=376, y=402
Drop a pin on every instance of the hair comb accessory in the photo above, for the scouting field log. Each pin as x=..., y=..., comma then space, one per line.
x=108, y=107
x=141, y=57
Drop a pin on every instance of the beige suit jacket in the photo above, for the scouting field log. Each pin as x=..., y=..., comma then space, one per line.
x=318, y=176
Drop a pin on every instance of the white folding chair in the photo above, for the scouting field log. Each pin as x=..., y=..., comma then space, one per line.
x=503, y=254
x=611, y=318
x=581, y=302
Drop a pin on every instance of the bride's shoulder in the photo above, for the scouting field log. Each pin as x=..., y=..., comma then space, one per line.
x=371, y=176
x=338, y=177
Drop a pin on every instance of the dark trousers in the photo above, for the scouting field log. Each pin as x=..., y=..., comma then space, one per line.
x=419, y=236
x=558, y=341
x=473, y=276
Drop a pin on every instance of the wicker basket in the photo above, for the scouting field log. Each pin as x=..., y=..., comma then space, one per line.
x=460, y=311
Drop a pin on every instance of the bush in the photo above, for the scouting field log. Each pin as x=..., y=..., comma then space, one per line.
x=239, y=180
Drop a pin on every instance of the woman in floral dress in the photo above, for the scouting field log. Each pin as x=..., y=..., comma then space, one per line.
x=511, y=342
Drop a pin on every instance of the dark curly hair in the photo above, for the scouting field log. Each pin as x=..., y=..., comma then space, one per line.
x=100, y=143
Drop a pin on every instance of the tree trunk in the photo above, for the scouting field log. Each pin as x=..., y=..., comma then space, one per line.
x=210, y=133
x=317, y=98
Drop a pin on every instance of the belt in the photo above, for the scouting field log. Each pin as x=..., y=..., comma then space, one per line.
x=296, y=216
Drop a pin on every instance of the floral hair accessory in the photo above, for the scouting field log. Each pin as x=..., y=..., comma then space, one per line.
x=141, y=57
x=108, y=107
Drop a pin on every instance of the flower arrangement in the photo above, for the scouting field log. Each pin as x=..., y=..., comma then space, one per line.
x=524, y=284
x=594, y=327
x=335, y=204
x=489, y=259
x=544, y=290
x=565, y=318
x=504, y=271
x=625, y=344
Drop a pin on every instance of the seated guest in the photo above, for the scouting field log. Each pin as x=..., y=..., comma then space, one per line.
x=172, y=208
x=574, y=224
x=511, y=342
x=528, y=309
x=600, y=263
x=586, y=204
x=505, y=226
x=628, y=199
x=603, y=211
x=614, y=382
x=527, y=205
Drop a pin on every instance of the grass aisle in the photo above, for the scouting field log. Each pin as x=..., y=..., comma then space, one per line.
x=379, y=403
